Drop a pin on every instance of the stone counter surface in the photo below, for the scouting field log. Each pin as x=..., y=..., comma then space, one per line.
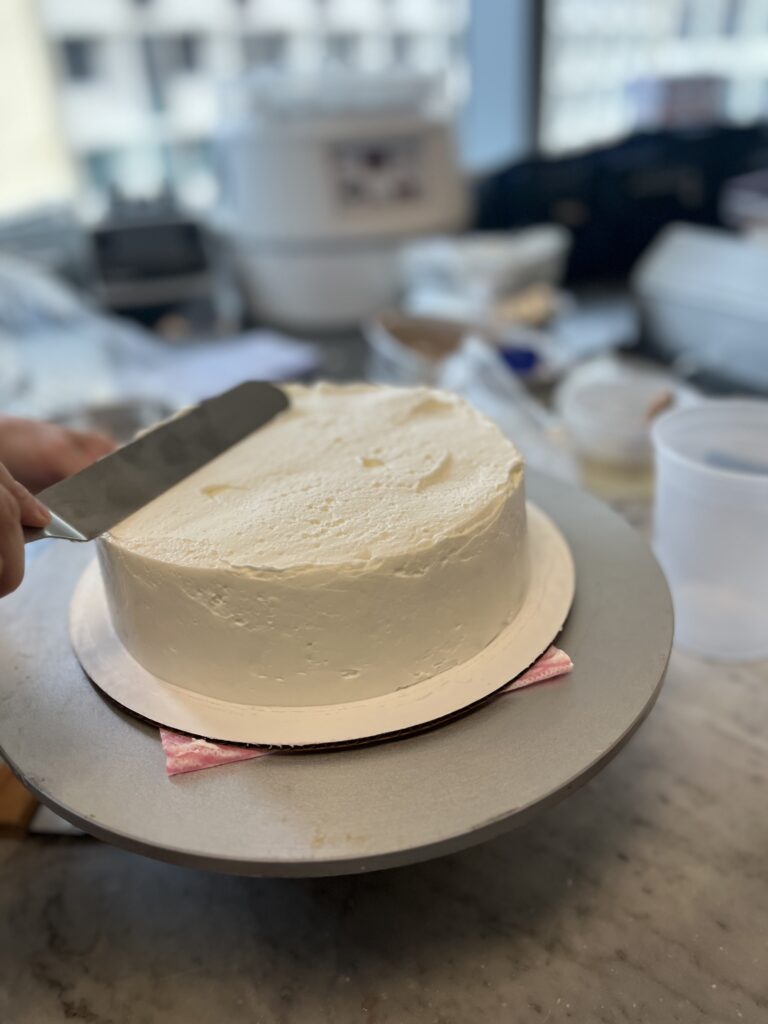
x=643, y=897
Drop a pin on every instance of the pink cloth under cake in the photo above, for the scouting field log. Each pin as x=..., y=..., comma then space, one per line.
x=191, y=754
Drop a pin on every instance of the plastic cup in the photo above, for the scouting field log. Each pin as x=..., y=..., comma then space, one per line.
x=711, y=525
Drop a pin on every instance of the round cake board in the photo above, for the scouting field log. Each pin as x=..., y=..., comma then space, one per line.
x=125, y=681
x=341, y=811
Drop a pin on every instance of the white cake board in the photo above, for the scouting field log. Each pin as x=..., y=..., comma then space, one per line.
x=124, y=680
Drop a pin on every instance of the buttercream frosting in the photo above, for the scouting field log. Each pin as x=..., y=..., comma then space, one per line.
x=363, y=540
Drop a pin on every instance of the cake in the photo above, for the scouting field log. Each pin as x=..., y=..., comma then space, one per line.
x=362, y=541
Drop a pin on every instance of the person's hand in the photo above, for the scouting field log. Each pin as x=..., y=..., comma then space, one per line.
x=40, y=454
x=17, y=507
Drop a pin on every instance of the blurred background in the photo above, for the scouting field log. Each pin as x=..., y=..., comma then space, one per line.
x=557, y=208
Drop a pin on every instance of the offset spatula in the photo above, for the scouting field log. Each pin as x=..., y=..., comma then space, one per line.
x=96, y=499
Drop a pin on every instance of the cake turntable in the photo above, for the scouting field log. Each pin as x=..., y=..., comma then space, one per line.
x=343, y=811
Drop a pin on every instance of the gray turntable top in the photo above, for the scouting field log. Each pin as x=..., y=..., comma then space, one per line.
x=353, y=810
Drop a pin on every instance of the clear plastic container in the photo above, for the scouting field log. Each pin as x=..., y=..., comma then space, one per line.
x=711, y=525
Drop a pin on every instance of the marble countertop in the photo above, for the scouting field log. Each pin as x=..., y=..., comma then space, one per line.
x=642, y=897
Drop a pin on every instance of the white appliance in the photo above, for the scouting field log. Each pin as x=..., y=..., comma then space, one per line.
x=323, y=178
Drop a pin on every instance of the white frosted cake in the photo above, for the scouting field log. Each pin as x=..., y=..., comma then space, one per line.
x=364, y=540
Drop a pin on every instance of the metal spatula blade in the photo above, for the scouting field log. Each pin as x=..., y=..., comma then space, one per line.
x=96, y=499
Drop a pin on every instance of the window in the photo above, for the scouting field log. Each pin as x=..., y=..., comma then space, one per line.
x=402, y=49
x=187, y=56
x=100, y=165
x=153, y=52
x=341, y=48
x=163, y=58
x=612, y=66
x=270, y=48
x=79, y=56
x=192, y=157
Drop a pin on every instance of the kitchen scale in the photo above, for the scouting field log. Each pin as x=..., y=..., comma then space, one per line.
x=351, y=810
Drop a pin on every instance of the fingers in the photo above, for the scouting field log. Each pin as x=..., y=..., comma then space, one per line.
x=76, y=449
x=92, y=444
x=40, y=454
x=17, y=506
x=80, y=449
x=29, y=510
x=11, y=543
